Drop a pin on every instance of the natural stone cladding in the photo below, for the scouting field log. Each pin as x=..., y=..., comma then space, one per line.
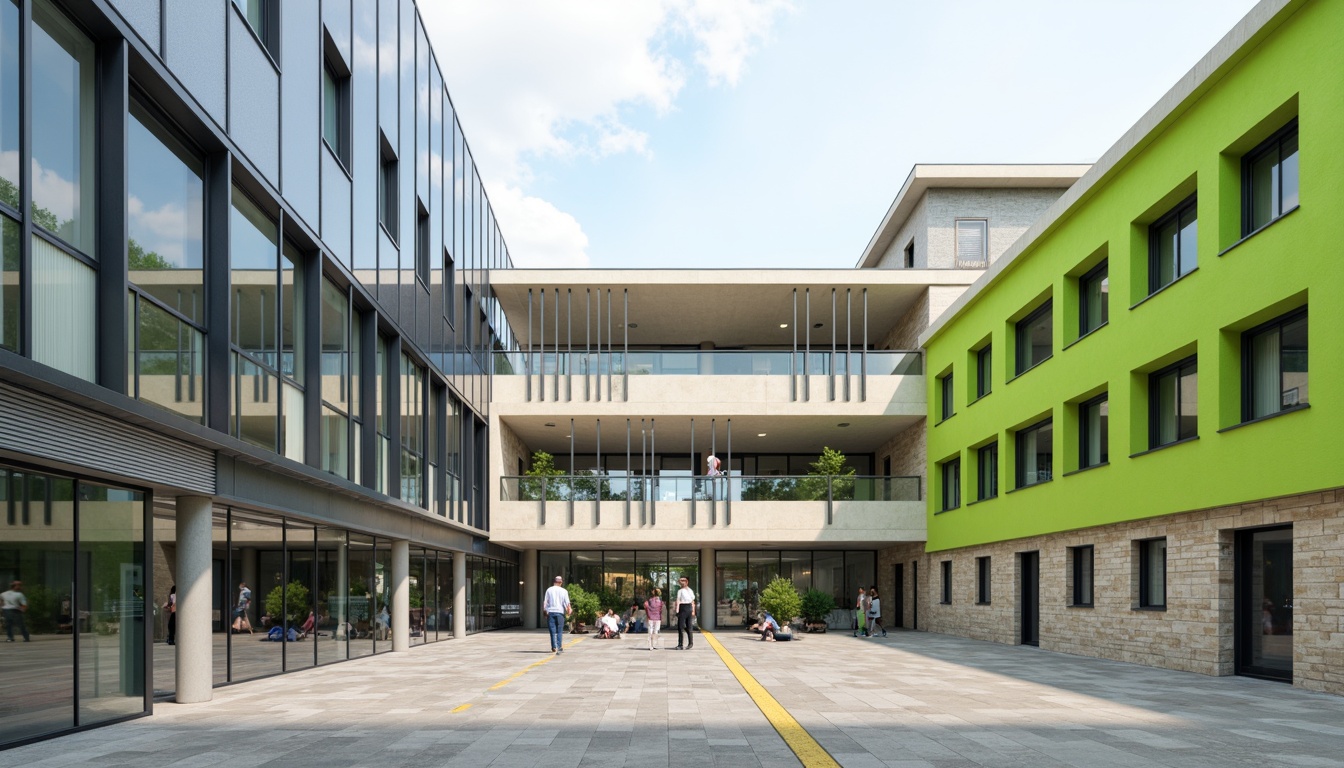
x=1196, y=631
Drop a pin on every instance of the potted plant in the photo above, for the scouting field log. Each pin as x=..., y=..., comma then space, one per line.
x=817, y=605
x=585, y=605
x=780, y=598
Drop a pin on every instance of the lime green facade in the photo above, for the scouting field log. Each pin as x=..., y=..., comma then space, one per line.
x=1290, y=68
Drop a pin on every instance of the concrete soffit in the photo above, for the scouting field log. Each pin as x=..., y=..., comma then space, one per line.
x=1259, y=22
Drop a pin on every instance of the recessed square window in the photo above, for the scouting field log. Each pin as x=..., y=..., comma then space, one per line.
x=336, y=106
x=421, y=243
x=264, y=18
x=1171, y=245
x=1035, y=454
x=947, y=394
x=910, y=255
x=1173, y=404
x=387, y=189
x=1269, y=178
x=1274, y=358
x=1093, y=432
x=1033, y=338
x=982, y=580
x=972, y=243
x=947, y=582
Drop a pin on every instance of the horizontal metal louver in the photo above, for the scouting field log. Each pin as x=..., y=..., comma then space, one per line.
x=46, y=428
x=972, y=243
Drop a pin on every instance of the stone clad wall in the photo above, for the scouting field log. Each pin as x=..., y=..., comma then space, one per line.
x=1195, y=632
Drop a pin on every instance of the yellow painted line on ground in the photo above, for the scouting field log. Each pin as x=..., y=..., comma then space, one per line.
x=462, y=708
x=528, y=668
x=809, y=752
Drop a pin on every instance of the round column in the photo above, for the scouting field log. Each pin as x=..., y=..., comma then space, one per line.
x=194, y=663
x=401, y=595
x=707, y=608
x=459, y=594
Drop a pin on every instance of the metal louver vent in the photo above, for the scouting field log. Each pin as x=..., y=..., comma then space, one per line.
x=972, y=243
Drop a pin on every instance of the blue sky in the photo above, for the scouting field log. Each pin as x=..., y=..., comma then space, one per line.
x=770, y=133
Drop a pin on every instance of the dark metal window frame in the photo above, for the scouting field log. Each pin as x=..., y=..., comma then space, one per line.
x=984, y=371
x=1189, y=204
x=1145, y=581
x=1273, y=144
x=1248, y=360
x=1019, y=469
x=983, y=576
x=951, y=475
x=1085, y=434
x=947, y=583
x=388, y=187
x=1022, y=333
x=947, y=408
x=987, y=455
x=1095, y=275
x=1079, y=596
x=336, y=68
x=1179, y=369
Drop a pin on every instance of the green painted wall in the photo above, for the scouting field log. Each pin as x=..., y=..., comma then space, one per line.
x=1294, y=67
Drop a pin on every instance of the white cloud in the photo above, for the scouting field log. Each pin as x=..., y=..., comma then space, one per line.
x=539, y=234
x=539, y=79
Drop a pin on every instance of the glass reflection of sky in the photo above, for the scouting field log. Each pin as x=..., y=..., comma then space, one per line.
x=62, y=123
x=166, y=198
x=9, y=98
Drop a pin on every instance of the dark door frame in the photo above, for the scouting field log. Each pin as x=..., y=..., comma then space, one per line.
x=1246, y=618
x=1029, y=597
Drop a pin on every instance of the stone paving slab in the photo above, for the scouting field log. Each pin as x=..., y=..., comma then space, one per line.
x=911, y=699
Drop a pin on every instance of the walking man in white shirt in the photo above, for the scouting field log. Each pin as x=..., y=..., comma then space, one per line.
x=15, y=606
x=684, y=608
x=556, y=607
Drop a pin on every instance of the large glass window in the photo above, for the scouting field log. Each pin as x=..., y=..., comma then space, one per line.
x=988, y=475
x=9, y=103
x=1035, y=454
x=1173, y=404
x=1033, y=338
x=10, y=255
x=1094, y=293
x=63, y=311
x=64, y=127
x=412, y=432
x=1274, y=358
x=1094, y=432
x=1269, y=180
x=339, y=381
x=266, y=333
x=1153, y=573
x=1171, y=245
x=166, y=261
x=332, y=597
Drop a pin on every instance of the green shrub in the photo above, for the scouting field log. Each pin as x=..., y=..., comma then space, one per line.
x=585, y=604
x=297, y=596
x=817, y=605
x=781, y=599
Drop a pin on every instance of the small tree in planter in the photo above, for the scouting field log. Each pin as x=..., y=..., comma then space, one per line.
x=543, y=466
x=817, y=605
x=780, y=598
x=830, y=464
x=585, y=605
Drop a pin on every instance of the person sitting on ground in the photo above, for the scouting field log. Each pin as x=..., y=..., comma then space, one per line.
x=633, y=619
x=768, y=627
x=608, y=626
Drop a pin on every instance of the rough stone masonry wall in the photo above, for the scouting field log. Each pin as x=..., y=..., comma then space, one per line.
x=1195, y=632
x=906, y=555
x=512, y=450
x=906, y=450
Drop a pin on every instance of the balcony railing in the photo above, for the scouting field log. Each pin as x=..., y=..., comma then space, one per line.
x=710, y=363
x=735, y=488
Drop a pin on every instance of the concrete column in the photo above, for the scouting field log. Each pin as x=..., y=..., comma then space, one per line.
x=195, y=641
x=529, y=574
x=459, y=594
x=401, y=595
x=708, y=604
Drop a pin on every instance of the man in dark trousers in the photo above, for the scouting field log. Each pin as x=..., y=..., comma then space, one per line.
x=684, y=608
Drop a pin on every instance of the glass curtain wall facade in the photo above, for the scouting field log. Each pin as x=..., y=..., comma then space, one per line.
x=75, y=550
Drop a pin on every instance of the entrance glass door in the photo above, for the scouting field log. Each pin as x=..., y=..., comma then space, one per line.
x=1264, y=605
x=1030, y=601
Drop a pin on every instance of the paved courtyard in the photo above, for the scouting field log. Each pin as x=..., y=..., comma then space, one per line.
x=912, y=699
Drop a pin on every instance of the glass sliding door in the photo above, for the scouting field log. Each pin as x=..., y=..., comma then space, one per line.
x=111, y=592
x=333, y=596
x=382, y=595
x=443, y=622
x=300, y=610
x=417, y=589
x=361, y=589
x=256, y=559
x=38, y=552
x=732, y=589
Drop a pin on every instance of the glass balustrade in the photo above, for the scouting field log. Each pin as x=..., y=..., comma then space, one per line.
x=736, y=488
x=708, y=363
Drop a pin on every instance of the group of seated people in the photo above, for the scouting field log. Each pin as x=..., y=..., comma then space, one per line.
x=770, y=629
x=610, y=626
